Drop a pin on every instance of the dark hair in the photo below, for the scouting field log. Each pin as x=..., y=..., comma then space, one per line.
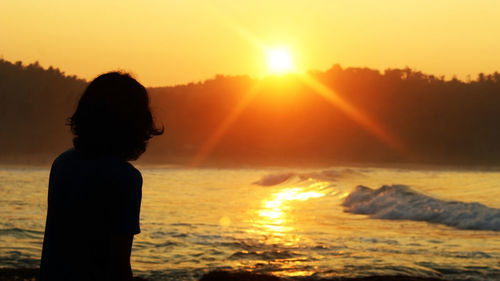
x=113, y=118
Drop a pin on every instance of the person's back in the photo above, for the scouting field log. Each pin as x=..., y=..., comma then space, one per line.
x=94, y=193
x=90, y=200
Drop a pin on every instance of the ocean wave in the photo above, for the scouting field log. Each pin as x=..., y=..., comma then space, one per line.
x=21, y=233
x=263, y=255
x=325, y=175
x=274, y=179
x=400, y=202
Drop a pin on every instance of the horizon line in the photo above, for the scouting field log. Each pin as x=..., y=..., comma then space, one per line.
x=445, y=78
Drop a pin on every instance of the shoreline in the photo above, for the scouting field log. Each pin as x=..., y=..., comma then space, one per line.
x=25, y=274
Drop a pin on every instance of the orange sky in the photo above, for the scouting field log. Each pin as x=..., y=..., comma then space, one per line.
x=177, y=41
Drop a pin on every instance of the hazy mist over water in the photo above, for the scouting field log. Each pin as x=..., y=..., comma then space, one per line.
x=288, y=222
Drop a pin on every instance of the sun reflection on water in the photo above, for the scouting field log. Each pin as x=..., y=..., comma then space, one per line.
x=273, y=216
x=276, y=225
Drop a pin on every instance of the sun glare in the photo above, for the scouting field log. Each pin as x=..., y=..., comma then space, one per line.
x=274, y=212
x=279, y=61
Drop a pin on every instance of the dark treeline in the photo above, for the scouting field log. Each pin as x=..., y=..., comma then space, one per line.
x=284, y=122
x=34, y=106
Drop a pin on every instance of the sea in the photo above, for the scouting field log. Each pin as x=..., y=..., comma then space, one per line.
x=290, y=222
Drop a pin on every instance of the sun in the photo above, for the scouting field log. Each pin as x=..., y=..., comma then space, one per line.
x=279, y=61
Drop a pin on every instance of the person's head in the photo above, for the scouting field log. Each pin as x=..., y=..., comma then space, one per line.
x=113, y=118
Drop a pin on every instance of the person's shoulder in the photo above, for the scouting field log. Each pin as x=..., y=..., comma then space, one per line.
x=68, y=155
x=121, y=166
x=123, y=171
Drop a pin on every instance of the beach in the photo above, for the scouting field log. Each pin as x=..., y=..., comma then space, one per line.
x=334, y=223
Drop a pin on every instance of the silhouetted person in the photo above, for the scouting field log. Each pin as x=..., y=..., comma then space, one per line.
x=94, y=194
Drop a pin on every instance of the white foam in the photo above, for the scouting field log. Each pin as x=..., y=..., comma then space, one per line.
x=400, y=202
x=274, y=179
x=325, y=175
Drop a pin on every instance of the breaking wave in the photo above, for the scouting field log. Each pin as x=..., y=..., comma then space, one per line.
x=400, y=202
x=273, y=179
x=325, y=175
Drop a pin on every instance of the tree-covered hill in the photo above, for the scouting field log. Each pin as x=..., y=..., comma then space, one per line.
x=274, y=120
x=34, y=106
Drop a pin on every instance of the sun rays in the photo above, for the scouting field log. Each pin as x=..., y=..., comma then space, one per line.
x=280, y=61
x=221, y=130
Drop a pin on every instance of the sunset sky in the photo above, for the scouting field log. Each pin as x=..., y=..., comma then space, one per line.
x=170, y=42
